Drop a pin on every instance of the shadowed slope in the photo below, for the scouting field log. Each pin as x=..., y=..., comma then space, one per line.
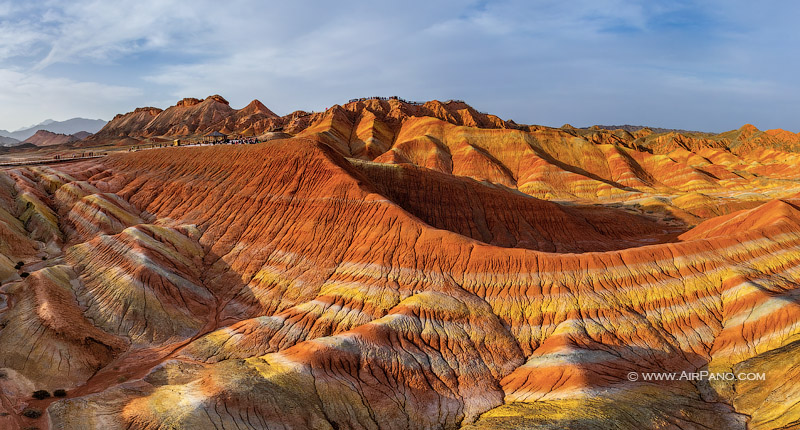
x=503, y=217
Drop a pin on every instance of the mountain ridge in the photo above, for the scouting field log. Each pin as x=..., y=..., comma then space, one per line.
x=8, y=141
x=338, y=124
x=70, y=126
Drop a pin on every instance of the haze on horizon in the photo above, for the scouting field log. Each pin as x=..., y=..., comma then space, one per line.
x=710, y=66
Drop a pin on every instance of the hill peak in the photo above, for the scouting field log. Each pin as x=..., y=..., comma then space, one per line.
x=256, y=106
x=188, y=102
x=48, y=138
x=218, y=98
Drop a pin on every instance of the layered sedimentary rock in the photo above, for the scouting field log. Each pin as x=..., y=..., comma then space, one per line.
x=367, y=127
x=396, y=269
x=46, y=138
x=189, y=117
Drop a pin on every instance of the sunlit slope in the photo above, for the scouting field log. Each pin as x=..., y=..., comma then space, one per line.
x=690, y=182
x=282, y=284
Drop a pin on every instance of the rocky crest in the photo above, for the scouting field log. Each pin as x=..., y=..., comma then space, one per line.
x=195, y=117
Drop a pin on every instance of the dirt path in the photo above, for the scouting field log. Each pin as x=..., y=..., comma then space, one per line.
x=47, y=161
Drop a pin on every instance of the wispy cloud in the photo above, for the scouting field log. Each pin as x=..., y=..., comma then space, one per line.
x=104, y=31
x=28, y=98
x=541, y=61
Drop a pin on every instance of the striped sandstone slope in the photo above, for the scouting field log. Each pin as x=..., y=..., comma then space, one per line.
x=562, y=164
x=402, y=266
x=285, y=285
x=687, y=176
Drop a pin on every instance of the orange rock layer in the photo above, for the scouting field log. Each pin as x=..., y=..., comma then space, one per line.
x=429, y=272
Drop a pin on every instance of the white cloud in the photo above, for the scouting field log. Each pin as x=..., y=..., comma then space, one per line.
x=27, y=98
x=541, y=61
x=102, y=31
x=20, y=36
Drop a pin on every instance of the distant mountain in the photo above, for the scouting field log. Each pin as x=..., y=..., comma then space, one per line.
x=7, y=141
x=69, y=127
x=20, y=147
x=47, y=138
x=81, y=135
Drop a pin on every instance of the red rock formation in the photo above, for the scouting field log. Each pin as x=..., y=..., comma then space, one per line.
x=123, y=126
x=47, y=138
x=195, y=117
x=403, y=266
x=189, y=116
x=781, y=213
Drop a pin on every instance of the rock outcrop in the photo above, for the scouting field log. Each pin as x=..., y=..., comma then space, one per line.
x=367, y=127
x=189, y=117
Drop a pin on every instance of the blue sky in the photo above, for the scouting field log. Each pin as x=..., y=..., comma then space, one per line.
x=702, y=65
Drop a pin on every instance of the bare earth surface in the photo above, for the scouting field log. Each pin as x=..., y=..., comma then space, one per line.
x=397, y=266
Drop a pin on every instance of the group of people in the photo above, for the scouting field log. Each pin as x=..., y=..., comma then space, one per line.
x=77, y=155
x=245, y=141
x=361, y=99
x=241, y=141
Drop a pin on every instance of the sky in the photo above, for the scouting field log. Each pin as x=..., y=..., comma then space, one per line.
x=699, y=65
